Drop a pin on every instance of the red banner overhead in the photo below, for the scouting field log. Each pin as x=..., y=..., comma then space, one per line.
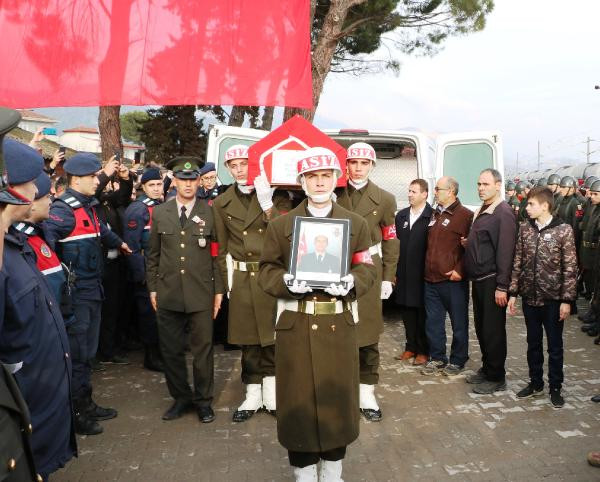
x=155, y=52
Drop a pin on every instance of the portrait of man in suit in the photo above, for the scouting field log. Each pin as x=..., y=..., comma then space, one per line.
x=319, y=260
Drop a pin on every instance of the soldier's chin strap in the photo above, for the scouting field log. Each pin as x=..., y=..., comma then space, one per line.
x=358, y=185
x=245, y=189
x=319, y=198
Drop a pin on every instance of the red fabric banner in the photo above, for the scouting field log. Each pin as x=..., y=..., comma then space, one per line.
x=155, y=52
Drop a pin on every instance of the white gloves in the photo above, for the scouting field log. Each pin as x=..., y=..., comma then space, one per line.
x=297, y=288
x=264, y=192
x=386, y=289
x=340, y=290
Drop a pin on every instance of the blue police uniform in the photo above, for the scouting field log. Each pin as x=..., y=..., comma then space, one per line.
x=137, y=222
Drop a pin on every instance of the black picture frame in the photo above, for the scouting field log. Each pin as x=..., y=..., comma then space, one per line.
x=307, y=244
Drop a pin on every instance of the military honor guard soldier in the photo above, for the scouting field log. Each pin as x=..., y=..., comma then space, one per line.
x=186, y=289
x=137, y=222
x=242, y=214
x=75, y=233
x=316, y=348
x=362, y=196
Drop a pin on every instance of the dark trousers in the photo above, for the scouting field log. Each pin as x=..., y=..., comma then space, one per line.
x=146, y=316
x=83, y=335
x=172, y=338
x=257, y=362
x=450, y=297
x=303, y=459
x=369, y=364
x=114, y=289
x=538, y=319
x=414, y=325
x=490, y=326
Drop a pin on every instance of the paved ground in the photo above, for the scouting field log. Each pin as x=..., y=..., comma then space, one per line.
x=433, y=429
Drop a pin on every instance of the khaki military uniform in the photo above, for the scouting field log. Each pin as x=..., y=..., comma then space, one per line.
x=181, y=268
x=241, y=226
x=317, y=368
x=378, y=208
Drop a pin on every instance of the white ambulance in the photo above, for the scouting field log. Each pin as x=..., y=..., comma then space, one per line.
x=402, y=155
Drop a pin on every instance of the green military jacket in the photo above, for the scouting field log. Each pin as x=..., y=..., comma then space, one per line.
x=514, y=203
x=181, y=263
x=522, y=216
x=570, y=210
x=378, y=207
x=316, y=356
x=241, y=233
x=590, y=236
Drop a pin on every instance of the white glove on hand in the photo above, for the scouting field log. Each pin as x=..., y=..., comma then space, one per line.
x=264, y=192
x=297, y=288
x=386, y=289
x=340, y=290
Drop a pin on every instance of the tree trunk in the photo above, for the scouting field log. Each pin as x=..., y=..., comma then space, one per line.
x=322, y=52
x=110, y=131
x=267, y=118
x=236, y=118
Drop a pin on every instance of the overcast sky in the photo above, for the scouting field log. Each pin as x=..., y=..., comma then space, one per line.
x=530, y=73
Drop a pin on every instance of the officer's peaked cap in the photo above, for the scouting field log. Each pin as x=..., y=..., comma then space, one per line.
x=185, y=167
x=9, y=119
x=82, y=164
x=151, y=174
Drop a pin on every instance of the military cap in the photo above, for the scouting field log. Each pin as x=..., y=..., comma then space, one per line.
x=23, y=163
x=568, y=181
x=521, y=186
x=553, y=179
x=43, y=183
x=151, y=174
x=595, y=186
x=9, y=119
x=510, y=186
x=185, y=167
x=82, y=164
x=542, y=182
x=589, y=181
x=208, y=167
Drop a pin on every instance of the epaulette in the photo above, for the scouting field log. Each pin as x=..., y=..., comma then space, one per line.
x=70, y=200
x=24, y=228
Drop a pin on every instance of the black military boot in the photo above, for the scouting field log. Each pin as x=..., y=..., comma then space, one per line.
x=153, y=359
x=96, y=412
x=588, y=317
x=83, y=424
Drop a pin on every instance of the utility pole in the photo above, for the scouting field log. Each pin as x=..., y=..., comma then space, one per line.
x=539, y=155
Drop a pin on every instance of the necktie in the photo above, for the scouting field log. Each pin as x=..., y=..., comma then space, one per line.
x=320, y=259
x=183, y=217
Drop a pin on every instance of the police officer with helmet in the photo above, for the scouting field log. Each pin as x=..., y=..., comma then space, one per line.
x=137, y=222
x=74, y=231
x=554, y=186
x=570, y=208
x=511, y=197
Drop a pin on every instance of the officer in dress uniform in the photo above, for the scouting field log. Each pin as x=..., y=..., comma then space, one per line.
x=242, y=214
x=317, y=366
x=137, y=222
x=378, y=207
x=33, y=340
x=16, y=457
x=185, y=288
x=74, y=231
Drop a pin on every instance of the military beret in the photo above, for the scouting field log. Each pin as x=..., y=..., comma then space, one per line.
x=9, y=119
x=43, y=183
x=208, y=167
x=82, y=164
x=22, y=163
x=185, y=167
x=151, y=174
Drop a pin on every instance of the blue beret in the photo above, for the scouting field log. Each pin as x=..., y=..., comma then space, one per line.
x=208, y=167
x=82, y=164
x=42, y=183
x=151, y=174
x=22, y=163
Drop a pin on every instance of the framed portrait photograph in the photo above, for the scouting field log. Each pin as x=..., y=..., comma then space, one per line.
x=320, y=250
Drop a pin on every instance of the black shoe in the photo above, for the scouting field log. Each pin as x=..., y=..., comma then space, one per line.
x=597, y=340
x=596, y=399
x=589, y=317
x=488, y=387
x=96, y=365
x=476, y=378
x=556, y=398
x=593, y=331
x=86, y=426
x=96, y=412
x=114, y=360
x=152, y=359
x=530, y=391
x=177, y=410
x=205, y=414
x=587, y=326
x=372, y=415
x=243, y=415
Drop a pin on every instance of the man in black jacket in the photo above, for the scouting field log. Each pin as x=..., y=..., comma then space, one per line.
x=411, y=230
x=488, y=264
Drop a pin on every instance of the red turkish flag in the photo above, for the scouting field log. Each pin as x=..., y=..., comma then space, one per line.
x=155, y=52
x=302, y=248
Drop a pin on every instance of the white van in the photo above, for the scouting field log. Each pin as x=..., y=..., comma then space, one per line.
x=402, y=156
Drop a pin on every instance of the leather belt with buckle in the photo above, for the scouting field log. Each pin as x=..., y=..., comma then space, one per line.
x=245, y=265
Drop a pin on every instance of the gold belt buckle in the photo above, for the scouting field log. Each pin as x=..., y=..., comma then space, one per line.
x=252, y=265
x=325, y=307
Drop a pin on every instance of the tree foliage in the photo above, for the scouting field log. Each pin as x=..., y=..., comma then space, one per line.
x=131, y=125
x=172, y=131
